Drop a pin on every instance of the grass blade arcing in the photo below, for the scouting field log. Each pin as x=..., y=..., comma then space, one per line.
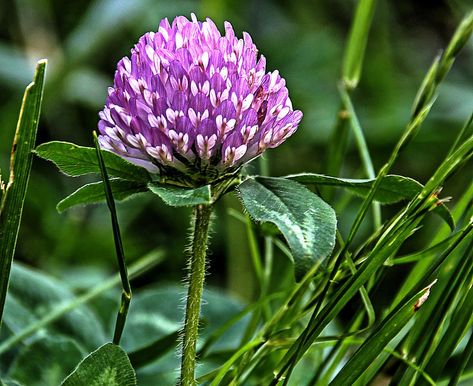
x=21, y=159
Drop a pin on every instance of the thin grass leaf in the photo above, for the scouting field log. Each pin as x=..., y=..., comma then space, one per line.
x=20, y=166
x=120, y=253
x=360, y=138
x=376, y=342
x=425, y=334
x=442, y=64
x=458, y=326
x=465, y=132
x=422, y=266
x=381, y=252
x=462, y=364
x=354, y=53
x=425, y=254
x=222, y=371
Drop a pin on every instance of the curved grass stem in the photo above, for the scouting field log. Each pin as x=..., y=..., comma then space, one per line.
x=126, y=288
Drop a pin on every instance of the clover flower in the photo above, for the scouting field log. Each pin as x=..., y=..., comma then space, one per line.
x=194, y=103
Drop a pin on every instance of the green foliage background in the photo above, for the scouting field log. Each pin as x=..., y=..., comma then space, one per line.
x=305, y=40
x=83, y=40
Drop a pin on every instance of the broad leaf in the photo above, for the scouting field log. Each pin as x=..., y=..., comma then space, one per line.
x=9, y=382
x=34, y=294
x=306, y=221
x=393, y=188
x=46, y=361
x=156, y=312
x=176, y=196
x=74, y=160
x=108, y=365
x=94, y=193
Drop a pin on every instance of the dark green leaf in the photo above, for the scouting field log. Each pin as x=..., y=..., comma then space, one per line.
x=176, y=196
x=393, y=188
x=154, y=350
x=94, y=193
x=74, y=160
x=11, y=207
x=108, y=365
x=46, y=361
x=306, y=221
x=157, y=312
x=9, y=382
x=34, y=295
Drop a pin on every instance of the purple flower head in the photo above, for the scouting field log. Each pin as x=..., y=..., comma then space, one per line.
x=194, y=103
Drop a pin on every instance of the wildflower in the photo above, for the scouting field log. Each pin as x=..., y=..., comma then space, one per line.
x=193, y=103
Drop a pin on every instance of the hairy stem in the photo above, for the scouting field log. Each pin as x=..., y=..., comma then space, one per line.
x=194, y=293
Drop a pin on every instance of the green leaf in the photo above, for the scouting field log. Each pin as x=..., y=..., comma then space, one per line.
x=353, y=60
x=176, y=196
x=94, y=193
x=46, y=361
x=377, y=341
x=108, y=365
x=34, y=295
x=393, y=188
x=156, y=312
x=65, y=316
x=154, y=350
x=74, y=160
x=9, y=382
x=306, y=221
x=11, y=207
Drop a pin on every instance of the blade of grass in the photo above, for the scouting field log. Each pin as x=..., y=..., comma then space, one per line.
x=459, y=324
x=464, y=133
x=392, y=238
x=465, y=358
x=222, y=371
x=358, y=38
x=20, y=167
x=126, y=289
x=425, y=334
x=377, y=341
x=362, y=148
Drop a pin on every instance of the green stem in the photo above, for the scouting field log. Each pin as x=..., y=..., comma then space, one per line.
x=201, y=226
x=126, y=288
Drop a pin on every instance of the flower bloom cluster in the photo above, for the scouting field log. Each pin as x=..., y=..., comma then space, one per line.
x=194, y=101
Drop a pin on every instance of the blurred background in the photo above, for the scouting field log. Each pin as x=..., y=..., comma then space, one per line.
x=84, y=39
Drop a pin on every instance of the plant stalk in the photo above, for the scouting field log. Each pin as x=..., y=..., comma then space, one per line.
x=201, y=225
x=126, y=288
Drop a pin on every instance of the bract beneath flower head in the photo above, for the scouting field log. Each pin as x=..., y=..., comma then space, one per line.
x=195, y=105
